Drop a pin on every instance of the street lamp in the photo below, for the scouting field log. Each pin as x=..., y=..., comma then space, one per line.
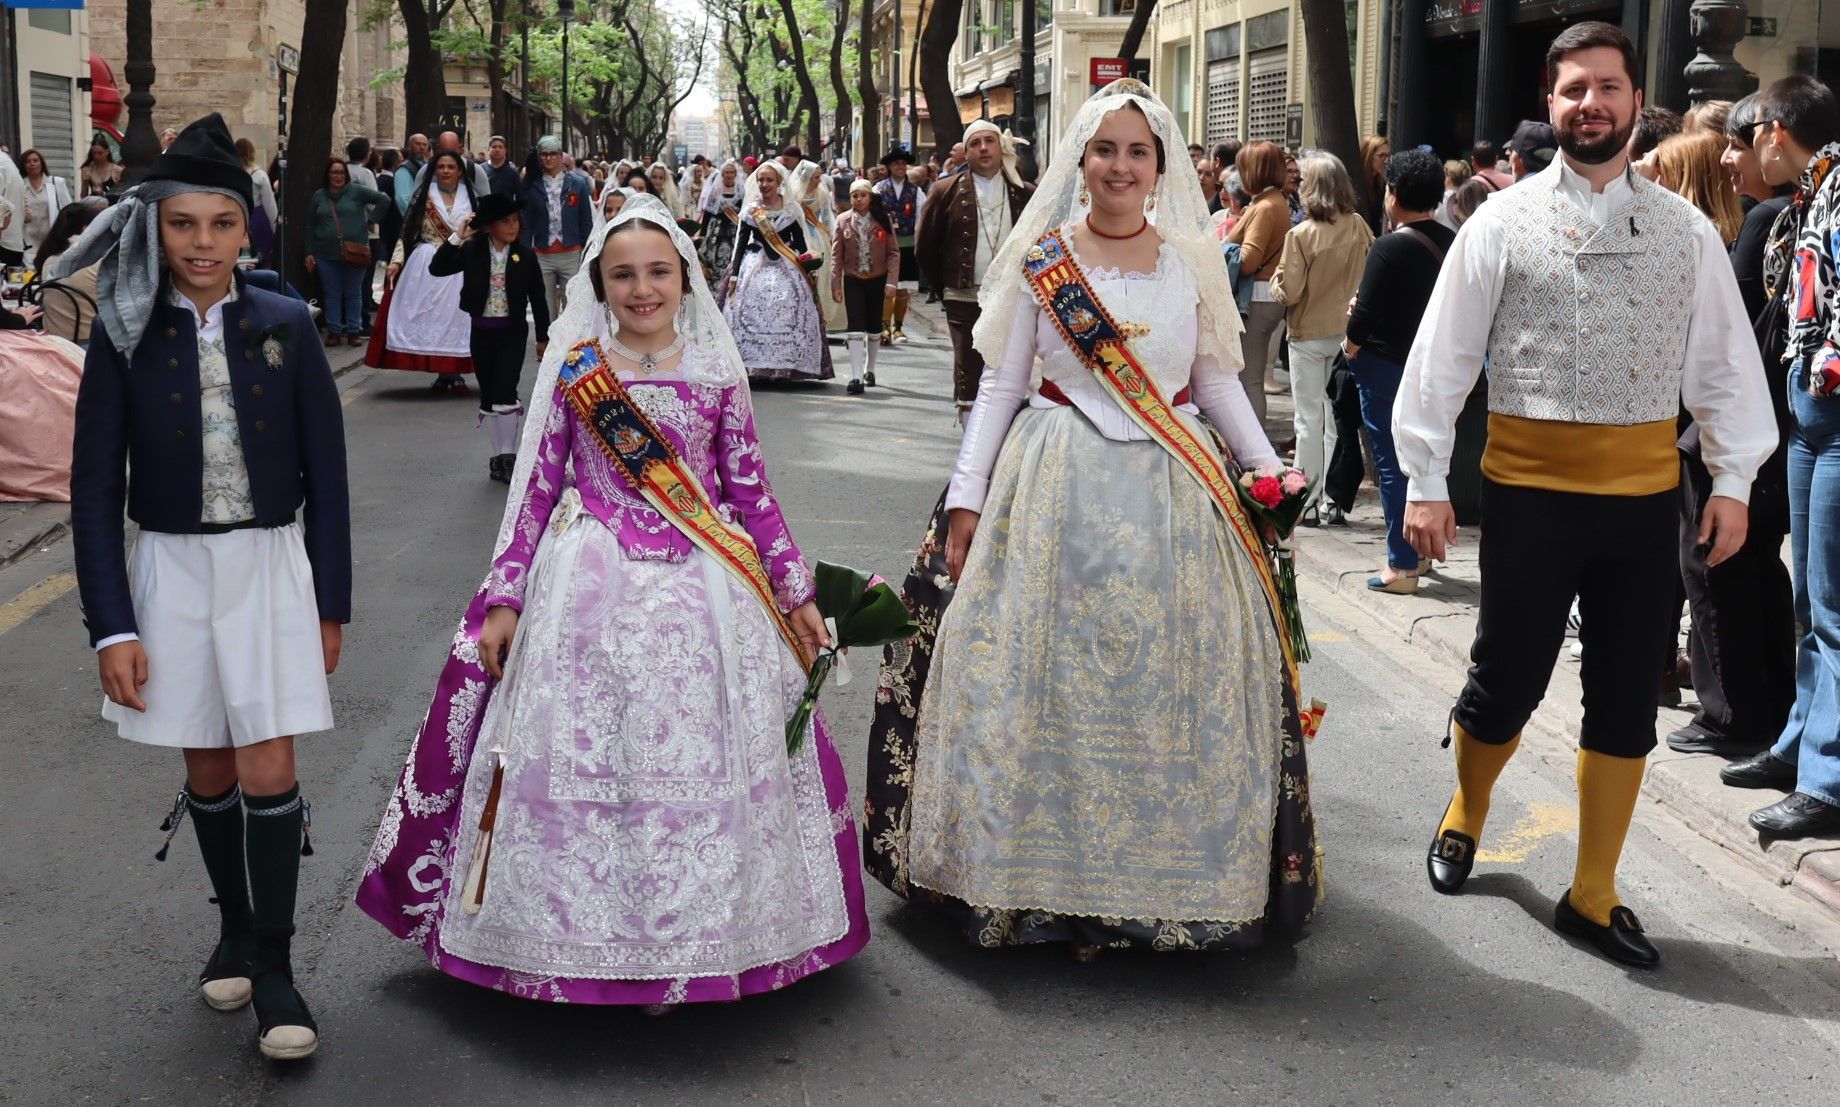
x=524, y=140
x=1023, y=118
x=139, y=144
x=565, y=11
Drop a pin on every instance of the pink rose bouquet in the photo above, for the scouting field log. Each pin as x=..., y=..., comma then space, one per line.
x=1276, y=496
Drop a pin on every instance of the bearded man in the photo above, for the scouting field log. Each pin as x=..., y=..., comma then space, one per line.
x=1603, y=303
x=964, y=220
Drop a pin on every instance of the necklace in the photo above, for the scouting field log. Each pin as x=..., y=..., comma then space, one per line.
x=1141, y=227
x=647, y=363
x=991, y=217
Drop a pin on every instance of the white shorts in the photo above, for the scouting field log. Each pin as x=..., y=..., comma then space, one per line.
x=231, y=631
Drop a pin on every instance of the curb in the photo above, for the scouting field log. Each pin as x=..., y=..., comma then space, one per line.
x=1687, y=786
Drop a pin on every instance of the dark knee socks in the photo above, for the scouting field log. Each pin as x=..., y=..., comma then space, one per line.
x=218, y=821
x=274, y=835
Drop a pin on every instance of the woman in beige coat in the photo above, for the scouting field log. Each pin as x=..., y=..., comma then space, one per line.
x=1317, y=275
x=1260, y=233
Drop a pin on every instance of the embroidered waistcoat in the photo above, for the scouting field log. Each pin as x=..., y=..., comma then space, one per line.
x=1582, y=332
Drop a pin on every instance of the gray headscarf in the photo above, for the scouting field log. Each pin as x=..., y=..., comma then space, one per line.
x=126, y=240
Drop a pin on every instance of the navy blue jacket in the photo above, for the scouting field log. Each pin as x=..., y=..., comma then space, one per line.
x=577, y=211
x=143, y=416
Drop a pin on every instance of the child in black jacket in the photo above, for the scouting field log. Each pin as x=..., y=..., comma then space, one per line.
x=500, y=281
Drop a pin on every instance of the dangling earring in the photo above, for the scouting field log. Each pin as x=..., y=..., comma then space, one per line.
x=1150, y=203
x=1085, y=198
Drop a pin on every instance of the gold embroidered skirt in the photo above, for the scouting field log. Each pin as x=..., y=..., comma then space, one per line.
x=1105, y=729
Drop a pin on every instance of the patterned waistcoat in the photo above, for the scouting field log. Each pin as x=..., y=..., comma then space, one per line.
x=1591, y=324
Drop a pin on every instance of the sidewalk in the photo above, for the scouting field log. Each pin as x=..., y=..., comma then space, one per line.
x=1440, y=620
x=27, y=527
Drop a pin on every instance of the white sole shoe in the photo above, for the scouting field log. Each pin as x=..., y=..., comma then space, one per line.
x=288, y=1043
x=232, y=993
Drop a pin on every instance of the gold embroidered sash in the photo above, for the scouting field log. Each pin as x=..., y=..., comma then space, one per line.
x=647, y=459
x=1089, y=330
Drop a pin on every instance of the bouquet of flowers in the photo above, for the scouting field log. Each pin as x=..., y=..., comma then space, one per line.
x=1276, y=495
x=859, y=609
x=810, y=262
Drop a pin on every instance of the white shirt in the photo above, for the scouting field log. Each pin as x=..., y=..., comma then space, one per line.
x=1722, y=362
x=993, y=208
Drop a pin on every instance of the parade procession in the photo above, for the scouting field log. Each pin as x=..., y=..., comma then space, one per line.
x=1089, y=552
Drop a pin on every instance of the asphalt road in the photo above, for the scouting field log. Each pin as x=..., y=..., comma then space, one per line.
x=1396, y=996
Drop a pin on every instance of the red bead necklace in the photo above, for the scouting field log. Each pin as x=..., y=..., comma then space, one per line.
x=1118, y=237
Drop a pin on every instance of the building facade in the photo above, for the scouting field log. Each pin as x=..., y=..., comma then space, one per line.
x=45, y=102
x=904, y=114
x=1465, y=70
x=1070, y=34
x=232, y=56
x=1239, y=68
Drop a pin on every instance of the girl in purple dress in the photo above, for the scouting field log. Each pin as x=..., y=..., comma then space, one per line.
x=600, y=806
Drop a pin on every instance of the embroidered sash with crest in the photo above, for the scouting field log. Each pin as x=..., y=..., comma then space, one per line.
x=647, y=459
x=1104, y=347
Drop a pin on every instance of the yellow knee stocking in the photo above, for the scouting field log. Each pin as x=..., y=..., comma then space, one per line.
x=1607, y=790
x=888, y=303
x=900, y=307
x=1478, y=764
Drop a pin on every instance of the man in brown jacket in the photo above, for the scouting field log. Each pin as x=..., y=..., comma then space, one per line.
x=962, y=224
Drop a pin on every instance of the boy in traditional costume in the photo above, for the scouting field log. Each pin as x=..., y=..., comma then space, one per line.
x=1603, y=303
x=216, y=397
x=500, y=279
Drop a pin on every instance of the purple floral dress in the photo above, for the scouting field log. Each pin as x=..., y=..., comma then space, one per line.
x=653, y=842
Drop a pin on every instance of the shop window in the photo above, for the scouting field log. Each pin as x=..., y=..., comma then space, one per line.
x=1117, y=7
x=55, y=20
x=1184, y=87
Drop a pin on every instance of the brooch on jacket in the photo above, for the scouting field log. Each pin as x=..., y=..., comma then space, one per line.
x=271, y=342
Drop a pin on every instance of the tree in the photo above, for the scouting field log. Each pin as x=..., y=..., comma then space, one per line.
x=865, y=83
x=1325, y=40
x=424, y=79
x=316, y=96
x=809, y=104
x=1134, y=34
x=936, y=74
x=839, y=91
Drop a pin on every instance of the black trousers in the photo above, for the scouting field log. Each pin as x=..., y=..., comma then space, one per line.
x=498, y=362
x=1616, y=555
x=967, y=363
x=1743, y=642
x=862, y=302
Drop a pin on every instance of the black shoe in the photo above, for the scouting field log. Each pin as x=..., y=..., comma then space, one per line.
x=285, y=1030
x=1621, y=941
x=1451, y=858
x=1799, y=816
x=1765, y=770
x=1668, y=694
x=854, y=388
x=224, y=983
x=869, y=378
x=1691, y=739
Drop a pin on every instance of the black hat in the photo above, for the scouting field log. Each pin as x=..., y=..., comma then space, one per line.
x=204, y=154
x=898, y=152
x=492, y=207
x=1533, y=136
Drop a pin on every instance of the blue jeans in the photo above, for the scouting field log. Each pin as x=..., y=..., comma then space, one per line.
x=1811, y=739
x=1377, y=380
x=343, y=286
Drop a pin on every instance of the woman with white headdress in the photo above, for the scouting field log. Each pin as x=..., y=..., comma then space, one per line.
x=1108, y=749
x=720, y=210
x=807, y=184
x=420, y=325
x=772, y=305
x=600, y=806
x=664, y=186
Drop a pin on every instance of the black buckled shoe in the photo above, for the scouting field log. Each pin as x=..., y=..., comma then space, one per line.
x=1798, y=816
x=869, y=378
x=1452, y=856
x=1765, y=770
x=1622, y=941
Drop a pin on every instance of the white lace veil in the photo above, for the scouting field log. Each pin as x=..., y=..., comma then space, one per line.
x=1180, y=217
x=750, y=193
x=710, y=355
